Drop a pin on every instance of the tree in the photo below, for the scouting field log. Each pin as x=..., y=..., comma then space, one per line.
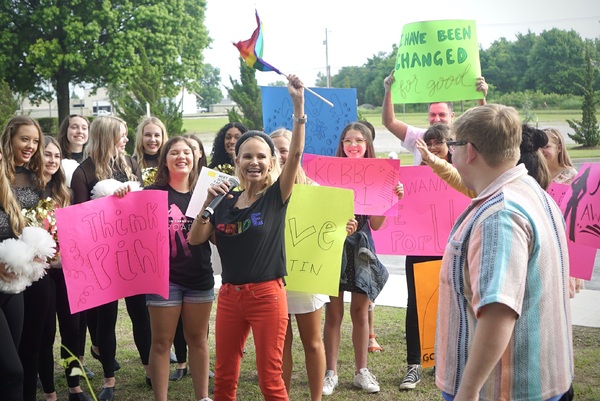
x=554, y=61
x=8, y=104
x=98, y=42
x=209, y=86
x=247, y=96
x=587, y=131
x=130, y=101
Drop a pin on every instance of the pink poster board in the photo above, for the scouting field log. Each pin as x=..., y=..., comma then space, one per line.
x=372, y=180
x=425, y=217
x=581, y=257
x=113, y=248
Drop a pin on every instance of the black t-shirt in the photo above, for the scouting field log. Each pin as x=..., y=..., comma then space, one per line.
x=251, y=241
x=84, y=178
x=190, y=265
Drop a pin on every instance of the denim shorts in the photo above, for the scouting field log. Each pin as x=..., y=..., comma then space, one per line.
x=179, y=295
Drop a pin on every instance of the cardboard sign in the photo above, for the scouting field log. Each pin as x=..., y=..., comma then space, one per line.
x=324, y=124
x=437, y=61
x=372, y=180
x=315, y=233
x=427, y=284
x=114, y=247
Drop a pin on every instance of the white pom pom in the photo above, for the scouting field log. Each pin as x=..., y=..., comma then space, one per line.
x=133, y=185
x=105, y=188
x=18, y=258
x=69, y=165
x=40, y=241
x=392, y=155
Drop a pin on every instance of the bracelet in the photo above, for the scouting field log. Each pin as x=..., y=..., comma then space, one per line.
x=299, y=120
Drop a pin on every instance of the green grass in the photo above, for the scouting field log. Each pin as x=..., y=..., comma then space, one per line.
x=207, y=127
x=389, y=323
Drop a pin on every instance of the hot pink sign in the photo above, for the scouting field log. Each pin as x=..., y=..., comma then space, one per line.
x=372, y=180
x=113, y=248
x=581, y=257
x=425, y=217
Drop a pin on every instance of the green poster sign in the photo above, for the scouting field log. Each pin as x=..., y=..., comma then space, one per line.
x=437, y=61
x=315, y=232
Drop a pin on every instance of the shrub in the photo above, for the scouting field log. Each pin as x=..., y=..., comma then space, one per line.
x=49, y=125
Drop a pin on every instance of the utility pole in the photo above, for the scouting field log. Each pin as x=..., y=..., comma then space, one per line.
x=327, y=68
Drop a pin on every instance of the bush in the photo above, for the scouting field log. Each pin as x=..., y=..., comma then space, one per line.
x=49, y=125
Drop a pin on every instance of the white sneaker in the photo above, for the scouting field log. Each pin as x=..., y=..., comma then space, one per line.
x=330, y=382
x=206, y=399
x=366, y=380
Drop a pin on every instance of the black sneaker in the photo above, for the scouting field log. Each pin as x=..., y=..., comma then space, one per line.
x=90, y=375
x=412, y=377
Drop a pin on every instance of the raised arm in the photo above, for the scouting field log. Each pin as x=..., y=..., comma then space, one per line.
x=290, y=169
x=388, y=118
x=482, y=86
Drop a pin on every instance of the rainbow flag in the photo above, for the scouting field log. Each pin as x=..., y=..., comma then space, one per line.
x=251, y=50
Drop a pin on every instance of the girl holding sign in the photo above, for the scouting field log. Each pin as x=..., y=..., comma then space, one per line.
x=106, y=159
x=191, y=281
x=355, y=142
x=249, y=230
x=56, y=195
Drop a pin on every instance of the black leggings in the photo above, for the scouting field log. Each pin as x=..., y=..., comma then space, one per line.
x=68, y=325
x=11, y=326
x=179, y=343
x=413, y=341
x=39, y=307
x=105, y=328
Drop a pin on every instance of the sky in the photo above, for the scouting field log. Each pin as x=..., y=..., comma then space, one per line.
x=294, y=31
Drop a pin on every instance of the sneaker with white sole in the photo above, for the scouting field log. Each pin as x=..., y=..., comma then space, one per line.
x=366, y=381
x=330, y=382
x=412, y=377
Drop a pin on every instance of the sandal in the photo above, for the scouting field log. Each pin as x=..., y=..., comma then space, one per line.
x=373, y=345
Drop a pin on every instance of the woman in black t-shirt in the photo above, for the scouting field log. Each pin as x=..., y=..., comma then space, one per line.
x=106, y=159
x=191, y=281
x=249, y=232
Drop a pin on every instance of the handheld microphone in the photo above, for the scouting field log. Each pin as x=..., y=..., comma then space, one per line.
x=210, y=209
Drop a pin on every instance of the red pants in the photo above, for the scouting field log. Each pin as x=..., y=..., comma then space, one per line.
x=261, y=307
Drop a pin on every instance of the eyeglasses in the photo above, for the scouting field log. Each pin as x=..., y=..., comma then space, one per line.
x=435, y=144
x=453, y=144
x=350, y=142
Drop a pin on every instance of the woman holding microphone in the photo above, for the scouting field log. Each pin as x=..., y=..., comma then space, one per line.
x=249, y=231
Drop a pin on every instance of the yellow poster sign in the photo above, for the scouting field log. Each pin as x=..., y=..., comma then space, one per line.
x=427, y=284
x=315, y=232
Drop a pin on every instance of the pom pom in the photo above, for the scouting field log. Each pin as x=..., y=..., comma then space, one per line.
x=133, y=185
x=69, y=165
x=108, y=187
x=40, y=241
x=18, y=258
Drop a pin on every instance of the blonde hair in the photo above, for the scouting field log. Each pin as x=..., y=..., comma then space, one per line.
x=9, y=202
x=301, y=177
x=495, y=131
x=563, y=158
x=36, y=163
x=58, y=183
x=274, y=171
x=105, y=132
x=138, y=151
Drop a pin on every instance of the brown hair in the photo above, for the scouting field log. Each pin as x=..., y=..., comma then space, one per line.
x=58, y=183
x=494, y=129
x=162, y=175
x=564, y=160
x=36, y=162
x=63, y=138
x=138, y=151
x=366, y=133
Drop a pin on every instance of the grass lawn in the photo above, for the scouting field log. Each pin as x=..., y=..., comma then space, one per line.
x=206, y=127
x=389, y=324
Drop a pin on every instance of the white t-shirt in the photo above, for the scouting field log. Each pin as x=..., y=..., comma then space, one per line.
x=410, y=142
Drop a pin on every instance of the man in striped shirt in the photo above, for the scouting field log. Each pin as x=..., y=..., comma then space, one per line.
x=503, y=324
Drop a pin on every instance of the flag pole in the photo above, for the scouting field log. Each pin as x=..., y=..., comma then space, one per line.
x=308, y=89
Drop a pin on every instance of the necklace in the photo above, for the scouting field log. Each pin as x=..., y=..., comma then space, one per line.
x=245, y=202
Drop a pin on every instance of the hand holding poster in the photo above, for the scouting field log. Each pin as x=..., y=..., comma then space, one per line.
x=372, y=180
x=437, y=61
x=114, y=247
x=315, y=233
x=207, y=178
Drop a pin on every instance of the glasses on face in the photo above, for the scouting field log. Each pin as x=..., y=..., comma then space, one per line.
x=435, y=144
x=454, y=144
x=350, y=142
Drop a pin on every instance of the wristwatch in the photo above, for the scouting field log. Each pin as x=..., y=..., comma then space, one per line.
x=299, y=120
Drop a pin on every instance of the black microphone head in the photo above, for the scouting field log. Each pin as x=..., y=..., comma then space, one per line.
x=234, y=181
